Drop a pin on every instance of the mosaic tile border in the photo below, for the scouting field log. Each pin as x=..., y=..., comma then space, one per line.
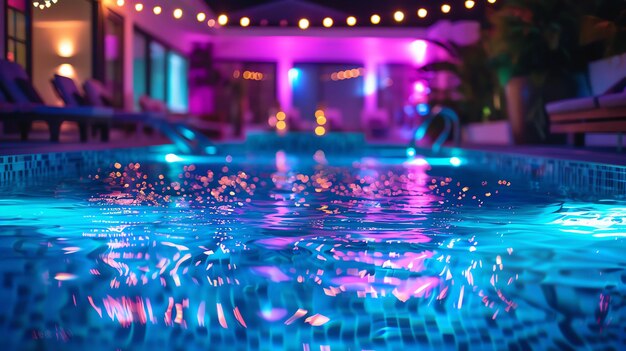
x=16, y=169
x=568, y=176
x=565, y=175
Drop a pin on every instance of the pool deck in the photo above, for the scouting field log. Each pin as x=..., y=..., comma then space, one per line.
x=609, y=156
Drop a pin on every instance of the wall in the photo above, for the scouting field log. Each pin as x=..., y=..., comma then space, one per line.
x=367, y=46
x=61, y=44
x=177, y=34
x=2, y=28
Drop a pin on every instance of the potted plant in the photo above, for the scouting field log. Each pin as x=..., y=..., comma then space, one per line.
x=532, y=45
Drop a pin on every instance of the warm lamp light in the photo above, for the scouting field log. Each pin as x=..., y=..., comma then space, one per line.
x=66, y=49
x=445, y=8
x=201, y=17
x=319, y=130
x=422, y=13
x=244, y=21
x=66, y=70
x=491, y=1
x=303, y=23
x=398, y=16
x=211, y=23
x=120, y=2
x=222, y=20
x=327, y=22
x=157, y=10
x=469, y=4
x=375, y=19
x=178, y=13
x=351, y=21
x=139, y=7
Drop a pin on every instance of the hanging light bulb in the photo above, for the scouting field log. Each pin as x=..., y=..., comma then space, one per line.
x=42, y=4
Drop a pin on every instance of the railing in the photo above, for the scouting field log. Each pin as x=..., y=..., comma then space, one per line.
x=452, y=123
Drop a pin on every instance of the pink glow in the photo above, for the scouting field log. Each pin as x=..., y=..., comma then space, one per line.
x=419, y=49
x=419, y=87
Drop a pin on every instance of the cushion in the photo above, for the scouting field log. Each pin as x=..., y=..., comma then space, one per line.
x=613, y=100
x=68, y=91
x=618, y=87
x=572, y=105
x=10, y=73
x=96, y=94
x=29, y=90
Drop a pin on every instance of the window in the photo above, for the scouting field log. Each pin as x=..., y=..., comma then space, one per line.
x=159, y=72
x=178, y=92
x=248, y=93
x=17, y=32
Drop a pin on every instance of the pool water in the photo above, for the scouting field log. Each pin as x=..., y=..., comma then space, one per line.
x=308, y=252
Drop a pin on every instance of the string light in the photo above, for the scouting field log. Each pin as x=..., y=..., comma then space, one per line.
x=398, y=16
x=491, y=1
x=303, y=23
x=222, y=20
x=178, y=13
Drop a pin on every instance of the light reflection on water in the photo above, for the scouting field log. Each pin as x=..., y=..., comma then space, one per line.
x=308, y=254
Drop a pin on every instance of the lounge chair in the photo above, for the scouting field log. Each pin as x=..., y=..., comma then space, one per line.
x=26, y=106
x=593, y=114
x=186, y=138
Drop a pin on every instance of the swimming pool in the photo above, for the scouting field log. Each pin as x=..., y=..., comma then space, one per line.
x=344, y=248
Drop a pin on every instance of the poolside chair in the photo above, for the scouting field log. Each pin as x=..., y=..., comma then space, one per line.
x=187, y=138
x=602, y=113
x=27, y=106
